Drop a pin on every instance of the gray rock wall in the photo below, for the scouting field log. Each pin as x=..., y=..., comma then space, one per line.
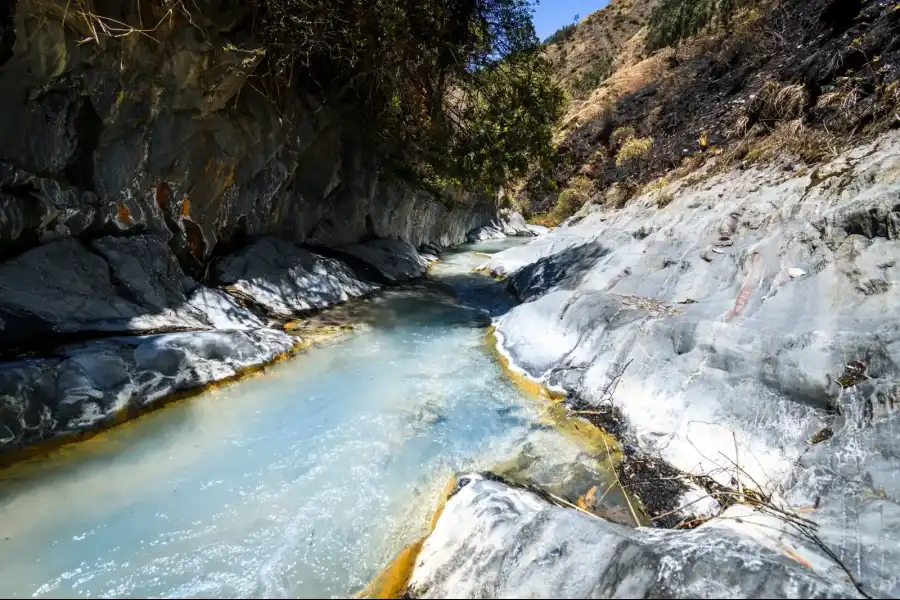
x=165, y=132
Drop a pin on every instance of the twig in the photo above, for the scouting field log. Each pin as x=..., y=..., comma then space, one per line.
x=737, y=475
x=570, y=505
x=680, y=508
x=624, y=491
x=608, y=488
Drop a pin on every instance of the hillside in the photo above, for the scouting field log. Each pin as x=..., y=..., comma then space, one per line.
x=809, y=78
x=588, y=53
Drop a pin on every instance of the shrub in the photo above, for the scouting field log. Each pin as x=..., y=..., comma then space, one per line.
x=599, y=69
x=457, y=89
x=633, y=149
x=562, y=34
x=569, y=201
x=620, y=135
x=673, y=21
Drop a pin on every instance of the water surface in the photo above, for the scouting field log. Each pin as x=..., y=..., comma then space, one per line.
x=303, y=481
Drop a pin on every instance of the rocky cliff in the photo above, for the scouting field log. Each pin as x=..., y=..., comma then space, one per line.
x=160, y=131
x=153, y=201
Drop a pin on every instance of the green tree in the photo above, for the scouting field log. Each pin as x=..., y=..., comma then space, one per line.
x=673, y=21
x=458, y=89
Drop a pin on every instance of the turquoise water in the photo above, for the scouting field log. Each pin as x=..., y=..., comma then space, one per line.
x=303, y=481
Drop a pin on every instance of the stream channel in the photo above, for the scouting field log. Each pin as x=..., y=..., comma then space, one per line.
x=305, y=480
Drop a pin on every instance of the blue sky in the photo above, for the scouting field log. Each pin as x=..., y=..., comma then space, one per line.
x=550, y=15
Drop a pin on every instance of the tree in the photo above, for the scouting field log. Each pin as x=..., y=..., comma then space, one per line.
x=456, y=88
x=673, y=21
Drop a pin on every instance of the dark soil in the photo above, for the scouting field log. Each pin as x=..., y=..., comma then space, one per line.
x=844, y=53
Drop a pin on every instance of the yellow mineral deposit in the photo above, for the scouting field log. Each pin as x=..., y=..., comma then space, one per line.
x=128, y=415
x=394, y=578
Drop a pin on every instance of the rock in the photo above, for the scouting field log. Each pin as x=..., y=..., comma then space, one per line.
x=164, y=134
x=145, y=269
x=65, y=287
x=285, y=280
x=222, y=311
x=757, y=365
x=507, y=224
x=395, y=260
x=795, y=273
x=95, y=384
x=494, y=541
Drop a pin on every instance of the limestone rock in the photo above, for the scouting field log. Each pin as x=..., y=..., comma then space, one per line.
x=493, y=541
x=286, y=280
x=751, y=370
x=395, y=260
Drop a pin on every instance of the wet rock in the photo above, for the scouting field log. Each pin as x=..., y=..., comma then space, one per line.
x=495, y=541
x=99, y=383
x=285, y=280
x=395, y=260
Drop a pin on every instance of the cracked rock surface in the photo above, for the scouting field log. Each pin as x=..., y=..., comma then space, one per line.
x=746, y=354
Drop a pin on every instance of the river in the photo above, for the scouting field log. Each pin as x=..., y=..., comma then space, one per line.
x=303, y=481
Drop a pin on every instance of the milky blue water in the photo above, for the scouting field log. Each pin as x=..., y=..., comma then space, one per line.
x=303, y=481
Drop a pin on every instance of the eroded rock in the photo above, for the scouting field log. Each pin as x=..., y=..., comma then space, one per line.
x=750, y=369
x=495, y=541
x=99, y=383
x=394, y=260
x=286, y=280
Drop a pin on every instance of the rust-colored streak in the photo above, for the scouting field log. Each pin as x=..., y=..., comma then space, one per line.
x=393, y=580
x=124, y=214
x=747, y=289
x=186, y=207
x=162, y=196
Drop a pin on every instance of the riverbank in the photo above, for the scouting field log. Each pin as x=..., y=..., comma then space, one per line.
x=98, y=332
x=740, y=340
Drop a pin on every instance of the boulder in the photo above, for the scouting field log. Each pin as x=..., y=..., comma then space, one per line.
x=112, y=285
x=285, y=280
x=395, y=260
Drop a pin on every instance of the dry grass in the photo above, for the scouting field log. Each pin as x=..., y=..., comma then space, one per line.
x=79, y=16
x=633, y=149
x=789, y=101
x=808, y=144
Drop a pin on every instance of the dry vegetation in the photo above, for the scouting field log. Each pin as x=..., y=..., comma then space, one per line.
x=803, y=78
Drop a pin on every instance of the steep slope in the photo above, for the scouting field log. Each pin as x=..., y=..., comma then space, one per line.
x=585, y=55
x=810, y=78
